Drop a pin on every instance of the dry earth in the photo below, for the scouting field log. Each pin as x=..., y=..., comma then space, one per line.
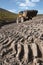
x=16, y=42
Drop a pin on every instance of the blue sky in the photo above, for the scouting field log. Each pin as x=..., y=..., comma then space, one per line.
x=18, y=5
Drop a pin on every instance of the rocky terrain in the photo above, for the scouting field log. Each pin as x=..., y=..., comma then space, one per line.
x=16, y=42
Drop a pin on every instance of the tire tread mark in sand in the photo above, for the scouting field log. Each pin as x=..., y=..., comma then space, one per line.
x=39, y=52
x=16, y=50
x=7, y=51
x=8, y=45
x=21, y=53
x=30, y=54
x=6, y=41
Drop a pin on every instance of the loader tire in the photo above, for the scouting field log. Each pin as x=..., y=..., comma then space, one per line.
x=22, y=19
x=17, y=21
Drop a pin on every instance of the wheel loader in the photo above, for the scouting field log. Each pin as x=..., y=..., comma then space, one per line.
x=26, y=15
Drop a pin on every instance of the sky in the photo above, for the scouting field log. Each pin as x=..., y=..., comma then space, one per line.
x=19, y=5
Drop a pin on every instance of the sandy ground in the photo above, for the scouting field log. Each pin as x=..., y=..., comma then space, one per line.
x=22, y=34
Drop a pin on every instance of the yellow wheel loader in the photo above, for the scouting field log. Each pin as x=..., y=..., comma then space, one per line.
x=26, y=15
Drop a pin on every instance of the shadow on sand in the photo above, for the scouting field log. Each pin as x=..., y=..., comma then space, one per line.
x=2, y=23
